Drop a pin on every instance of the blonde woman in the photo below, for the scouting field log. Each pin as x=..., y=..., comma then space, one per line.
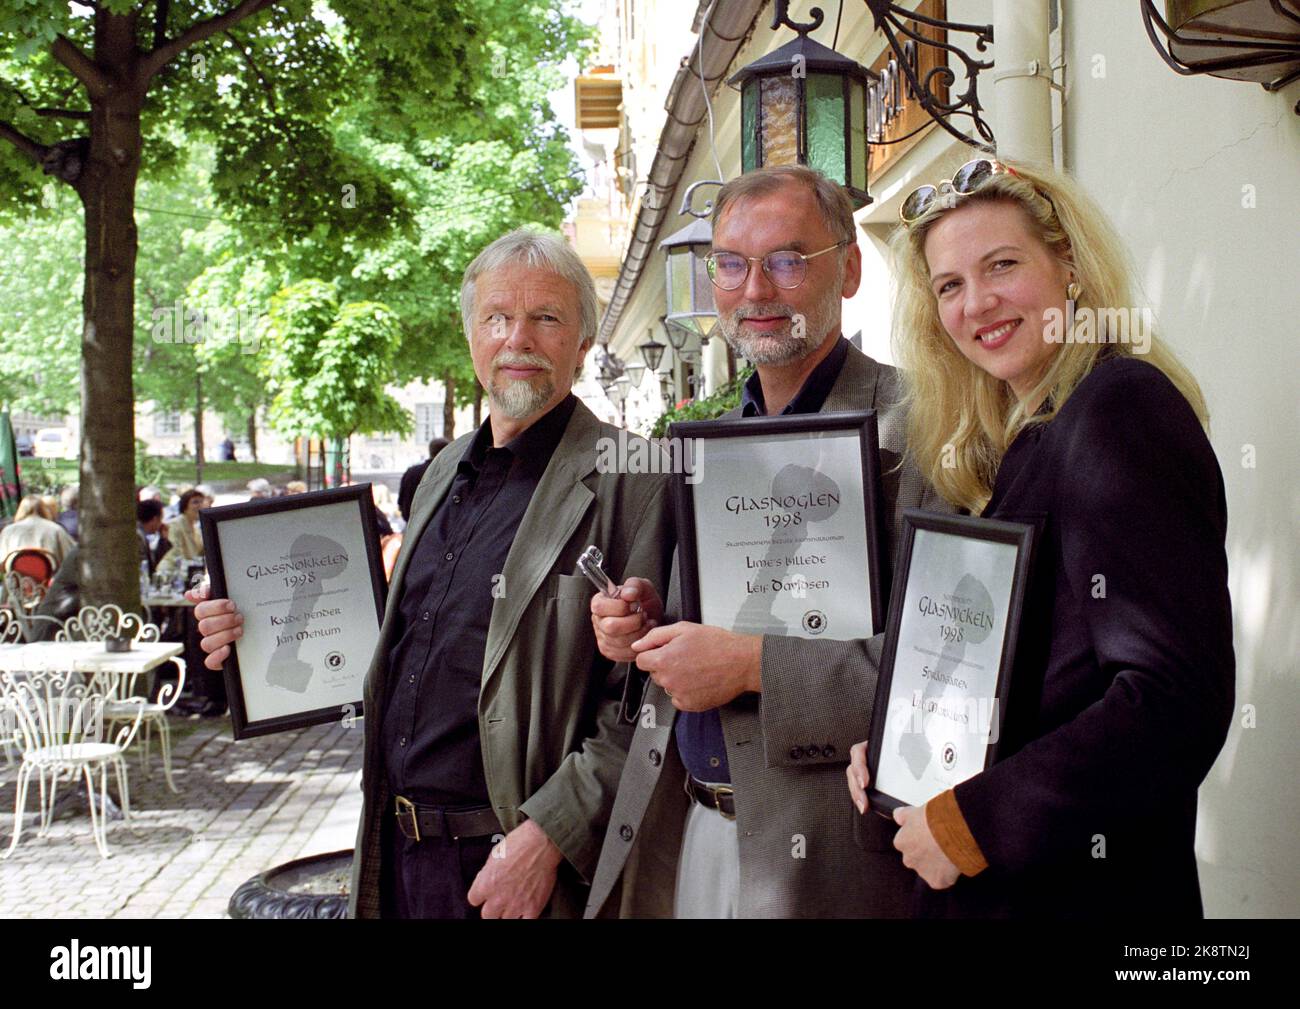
x=34, y=527
x=1038, y=393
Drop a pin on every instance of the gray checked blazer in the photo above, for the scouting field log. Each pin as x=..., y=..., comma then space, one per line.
x=787, y=749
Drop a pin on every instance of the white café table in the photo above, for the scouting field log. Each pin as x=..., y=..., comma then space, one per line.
x=86, y=657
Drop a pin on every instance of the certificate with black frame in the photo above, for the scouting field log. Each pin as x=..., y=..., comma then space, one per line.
x=779, y=524
x=950, y=646
x=306, y=573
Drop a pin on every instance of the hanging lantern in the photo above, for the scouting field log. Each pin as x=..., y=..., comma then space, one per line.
x=635, y=372
x=652, y=351
x=690, y=294
x=806, y=104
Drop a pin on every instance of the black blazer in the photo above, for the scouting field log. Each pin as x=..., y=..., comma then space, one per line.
x=1125, y=678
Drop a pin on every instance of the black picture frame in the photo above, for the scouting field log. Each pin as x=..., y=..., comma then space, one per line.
x=1020, y=535
x=684, y=433
x=214, y=520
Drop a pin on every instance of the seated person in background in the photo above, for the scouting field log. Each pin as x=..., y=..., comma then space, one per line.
x=149, y=525
x=68, y=516
x=34, y=527
x=183, y=532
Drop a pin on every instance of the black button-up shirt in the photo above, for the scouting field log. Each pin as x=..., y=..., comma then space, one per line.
x=430, y=733
x=700, y=741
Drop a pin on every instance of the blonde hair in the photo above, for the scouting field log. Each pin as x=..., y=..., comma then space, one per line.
x=960, y=419
x=32, y=504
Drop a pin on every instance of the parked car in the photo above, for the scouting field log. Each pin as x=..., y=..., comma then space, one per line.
x=25, y=445
x=55, y=443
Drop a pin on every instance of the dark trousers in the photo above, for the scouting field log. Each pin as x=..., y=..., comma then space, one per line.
x=429, y=878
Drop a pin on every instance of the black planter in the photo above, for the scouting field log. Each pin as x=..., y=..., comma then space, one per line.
x=315, y=887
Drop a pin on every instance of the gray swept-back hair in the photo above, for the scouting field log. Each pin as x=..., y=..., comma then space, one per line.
x=536, y=249
x=832, y=199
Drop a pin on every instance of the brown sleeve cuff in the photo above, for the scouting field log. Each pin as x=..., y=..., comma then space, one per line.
x=948, y=826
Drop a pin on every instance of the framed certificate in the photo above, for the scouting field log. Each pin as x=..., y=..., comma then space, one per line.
x=779, y=524
x=305, y=571
x=950, y=645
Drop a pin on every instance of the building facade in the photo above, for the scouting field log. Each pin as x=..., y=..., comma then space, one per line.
x=1201, y=176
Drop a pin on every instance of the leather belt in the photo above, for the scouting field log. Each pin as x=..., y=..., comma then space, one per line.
x=420, y=823
x=719, y=797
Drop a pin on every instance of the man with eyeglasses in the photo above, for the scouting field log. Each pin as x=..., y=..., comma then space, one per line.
x=729, y=804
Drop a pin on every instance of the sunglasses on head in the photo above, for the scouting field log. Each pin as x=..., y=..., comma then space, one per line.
x=966, y=180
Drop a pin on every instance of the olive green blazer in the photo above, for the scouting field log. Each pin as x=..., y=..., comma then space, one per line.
x=549, y=705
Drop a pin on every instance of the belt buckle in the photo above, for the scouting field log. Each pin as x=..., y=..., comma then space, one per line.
x=718, y=793
x=405, y=807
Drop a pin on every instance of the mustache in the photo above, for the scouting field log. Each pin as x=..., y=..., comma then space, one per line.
x=509, y=360
x=772, y=308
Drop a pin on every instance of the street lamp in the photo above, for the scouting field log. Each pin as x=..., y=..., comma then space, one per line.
x=635, y=372
x=806, y=104
x=690, y=294
x=651, y=351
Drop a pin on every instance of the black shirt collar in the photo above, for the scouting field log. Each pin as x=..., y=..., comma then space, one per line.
x=533, y=447
x=811, y=396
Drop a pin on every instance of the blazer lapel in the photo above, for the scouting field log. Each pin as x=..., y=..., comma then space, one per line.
x=558, y=505
x=429, y=495
x=855, y=385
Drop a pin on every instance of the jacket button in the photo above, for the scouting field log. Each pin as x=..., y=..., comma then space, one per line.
x=656, y=758
x=796, y=752
x=625, y=832
x=828, y=751
x=813, y=750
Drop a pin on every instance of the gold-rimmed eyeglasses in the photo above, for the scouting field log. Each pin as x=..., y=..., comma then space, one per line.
x=785, y=268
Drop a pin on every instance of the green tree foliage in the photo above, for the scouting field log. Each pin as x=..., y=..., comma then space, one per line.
x=327, y=364
x=97, y=95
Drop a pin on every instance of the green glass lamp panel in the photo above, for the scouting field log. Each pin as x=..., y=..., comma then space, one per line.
x=749, y=126
x=826, y=125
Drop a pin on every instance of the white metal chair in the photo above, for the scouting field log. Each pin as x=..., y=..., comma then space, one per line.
x=60, y=727
x=125, y=693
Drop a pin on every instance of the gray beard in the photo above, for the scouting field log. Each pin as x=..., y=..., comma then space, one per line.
x=516, y=399
x=784, y=345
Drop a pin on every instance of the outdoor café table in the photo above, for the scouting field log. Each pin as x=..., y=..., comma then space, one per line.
x=87, y=658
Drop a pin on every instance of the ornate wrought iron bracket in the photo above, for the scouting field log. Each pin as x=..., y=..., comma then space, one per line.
x=891, y=20
x=689, y=195
x=781, y=16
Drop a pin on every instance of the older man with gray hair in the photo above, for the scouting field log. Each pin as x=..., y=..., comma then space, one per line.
x=494, y=734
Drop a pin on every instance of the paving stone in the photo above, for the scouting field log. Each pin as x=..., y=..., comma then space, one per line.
x=243, y=808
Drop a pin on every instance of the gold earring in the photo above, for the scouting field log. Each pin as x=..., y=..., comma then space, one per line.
x=1072, y=291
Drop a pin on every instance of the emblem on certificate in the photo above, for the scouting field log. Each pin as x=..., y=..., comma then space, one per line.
x=950, y=644
x=306, y=573
x=779, y=524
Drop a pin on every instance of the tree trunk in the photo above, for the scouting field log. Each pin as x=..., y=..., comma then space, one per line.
x=449, y=405
x=198, y=427
x=252, y=433
x=478, y=405
x=110, y=558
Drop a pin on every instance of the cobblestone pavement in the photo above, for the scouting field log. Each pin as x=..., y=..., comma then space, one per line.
x=243, y=807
